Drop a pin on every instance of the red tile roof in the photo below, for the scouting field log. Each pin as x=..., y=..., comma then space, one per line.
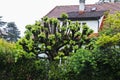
x=73, y=10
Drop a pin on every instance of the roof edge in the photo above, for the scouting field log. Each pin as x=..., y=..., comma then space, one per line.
x=51, y=11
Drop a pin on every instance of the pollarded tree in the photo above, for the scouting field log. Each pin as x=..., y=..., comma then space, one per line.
x=51, y=38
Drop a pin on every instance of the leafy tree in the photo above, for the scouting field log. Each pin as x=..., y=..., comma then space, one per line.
x=109, y=36
x=111, y=24
x=9, y=32
x=51, y=38
x=108, y=49
x=13, y=32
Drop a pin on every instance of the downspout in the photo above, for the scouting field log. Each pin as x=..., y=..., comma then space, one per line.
x=98, y=24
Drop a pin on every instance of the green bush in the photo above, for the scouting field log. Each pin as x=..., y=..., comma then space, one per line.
x=108, y=64
x=81, y=66
x=15, y=64
x=57, y=71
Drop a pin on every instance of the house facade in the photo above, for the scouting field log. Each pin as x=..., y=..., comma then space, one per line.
x=91, y=14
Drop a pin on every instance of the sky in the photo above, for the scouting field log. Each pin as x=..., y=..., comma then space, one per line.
x=24, y=12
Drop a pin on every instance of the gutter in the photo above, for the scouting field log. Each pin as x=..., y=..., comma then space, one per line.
x=98, y=24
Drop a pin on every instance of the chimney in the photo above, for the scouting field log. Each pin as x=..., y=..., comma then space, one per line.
x=81, y=6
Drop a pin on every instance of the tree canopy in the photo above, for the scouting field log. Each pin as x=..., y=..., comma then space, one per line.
x=12, y=31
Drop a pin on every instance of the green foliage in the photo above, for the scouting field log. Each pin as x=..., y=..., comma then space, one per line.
x=99, y=64
x=7, y=52
x=112, y=24
x=108, y=63
x=81, y=66
x=64, y=16
x=110, y=36
x=16, y=64
x=109, y=41
x=56, y=71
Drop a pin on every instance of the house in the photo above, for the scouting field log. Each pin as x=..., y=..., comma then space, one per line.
x=91, y=14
